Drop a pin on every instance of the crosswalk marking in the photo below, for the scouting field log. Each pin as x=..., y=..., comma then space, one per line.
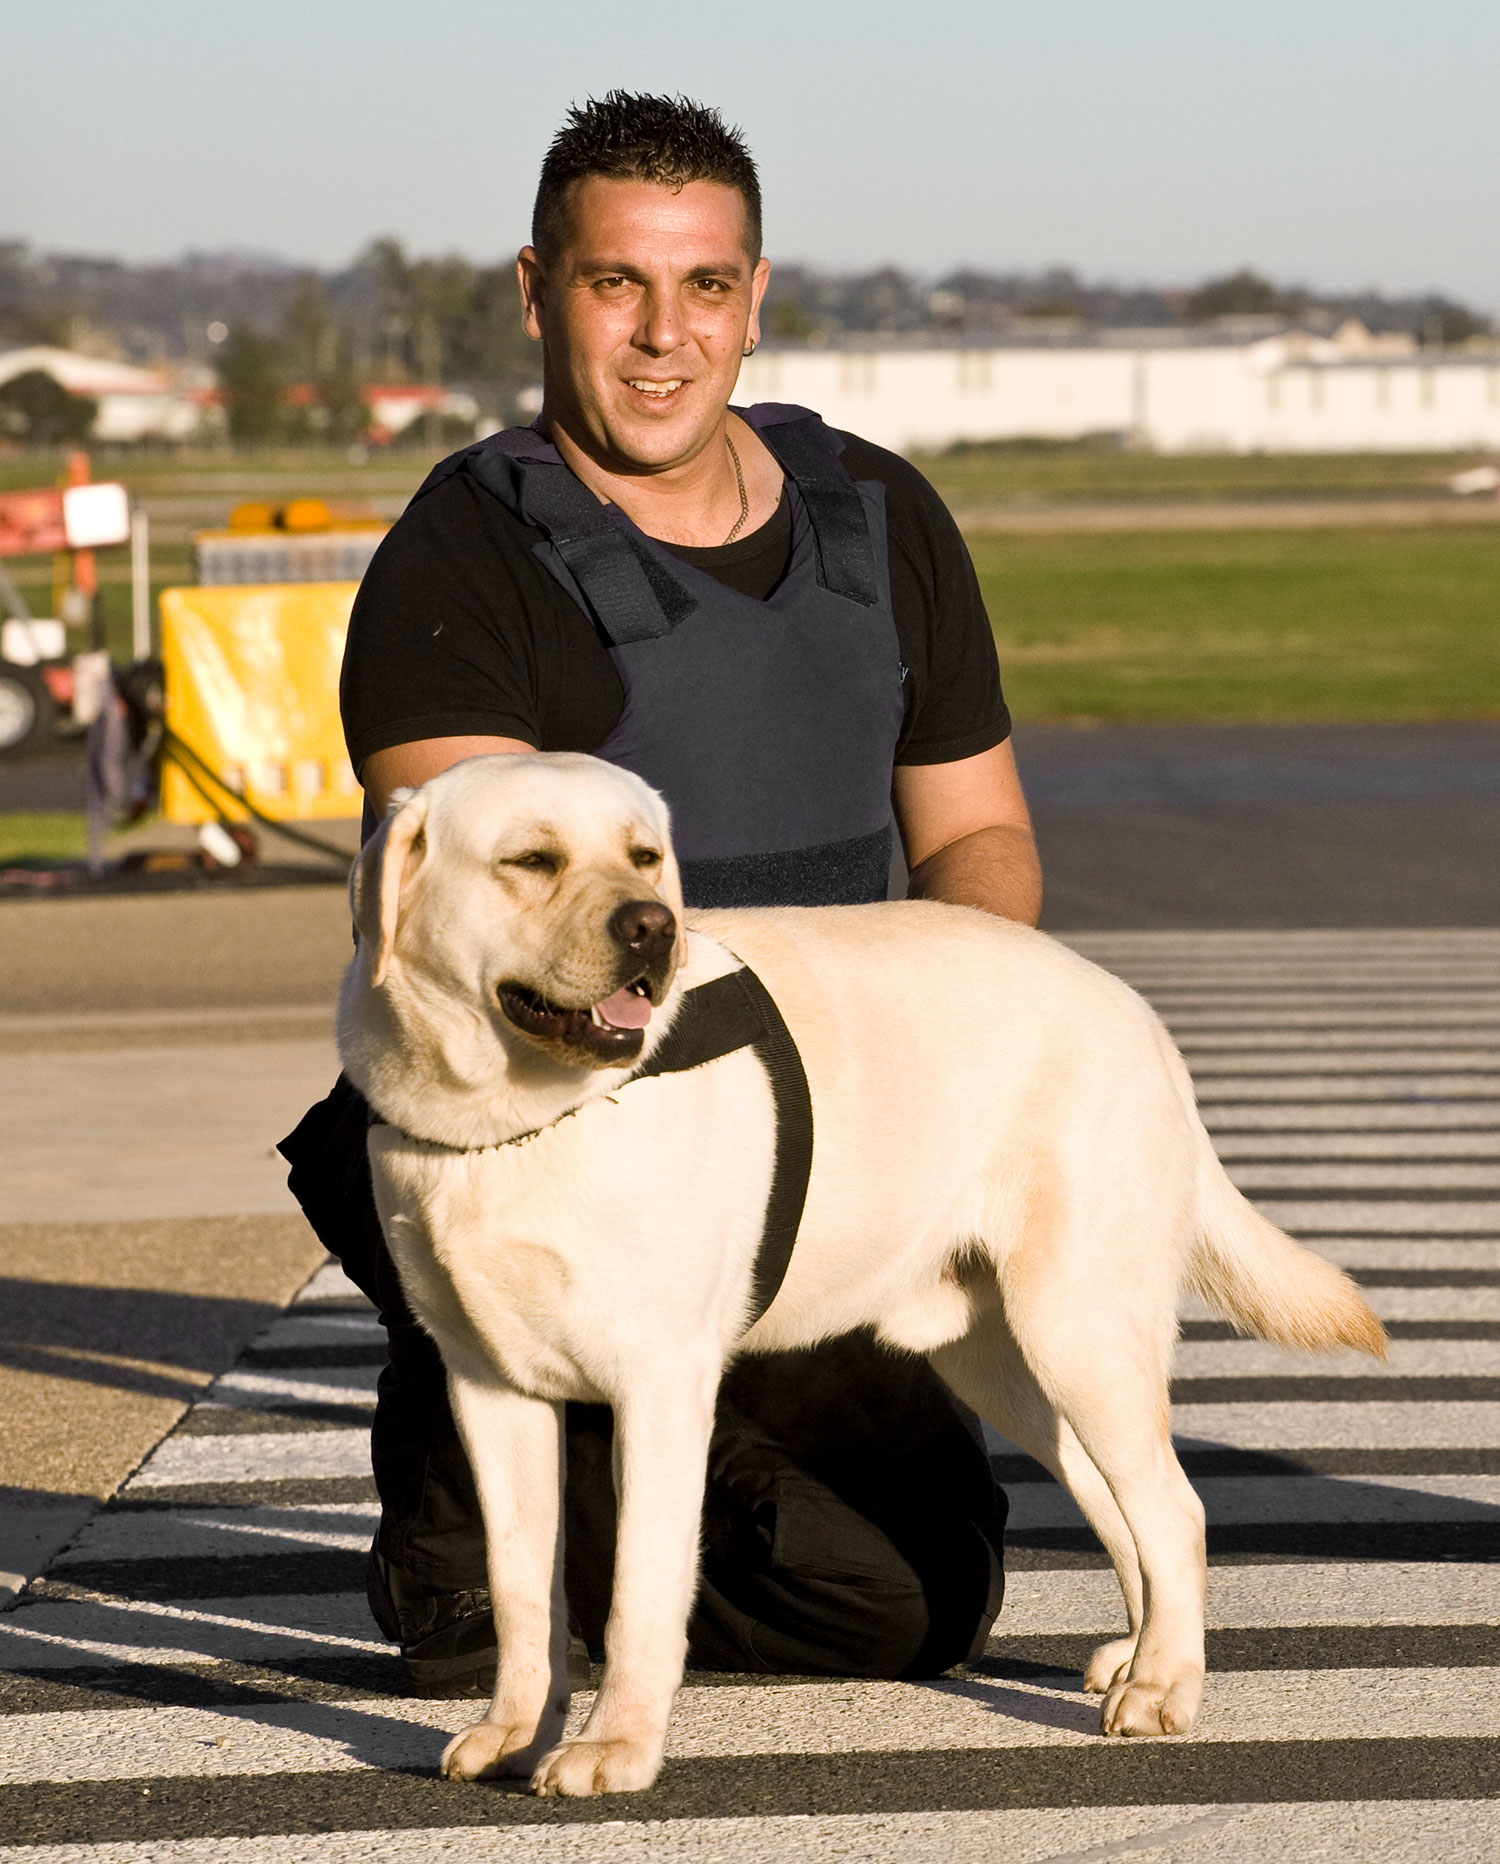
x=209, y=1628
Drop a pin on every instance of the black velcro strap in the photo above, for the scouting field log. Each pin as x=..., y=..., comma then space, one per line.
x=718, y=1018
x=633, y=595
x=846, y=554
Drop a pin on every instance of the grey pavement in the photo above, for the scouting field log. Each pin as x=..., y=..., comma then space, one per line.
x=196, y=1677
x=1266, y=826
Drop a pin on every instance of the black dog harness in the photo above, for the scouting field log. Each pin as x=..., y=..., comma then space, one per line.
x=719, y=1018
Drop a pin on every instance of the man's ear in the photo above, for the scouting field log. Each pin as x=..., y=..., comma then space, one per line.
x=375, y=884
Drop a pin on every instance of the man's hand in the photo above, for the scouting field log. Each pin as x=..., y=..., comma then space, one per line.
x=967, y=833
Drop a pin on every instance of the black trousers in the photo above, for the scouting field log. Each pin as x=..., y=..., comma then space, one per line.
x=851, y=1524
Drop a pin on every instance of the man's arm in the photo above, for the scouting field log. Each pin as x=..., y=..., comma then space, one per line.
x=967, y=833
x=405, y=766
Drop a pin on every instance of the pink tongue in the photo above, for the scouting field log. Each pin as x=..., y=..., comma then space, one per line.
x=626, y=1010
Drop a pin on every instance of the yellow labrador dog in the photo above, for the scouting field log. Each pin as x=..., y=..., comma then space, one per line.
x=1008, y=1175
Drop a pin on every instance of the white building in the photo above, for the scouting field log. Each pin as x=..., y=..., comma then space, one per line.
x=133, y=403
x=1171, y=391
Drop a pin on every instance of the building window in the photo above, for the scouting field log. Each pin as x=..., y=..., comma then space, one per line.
x=1429, y=387
x=1273, y=392
x=1382, y=388
x=1494, y=387
x=1315, y=389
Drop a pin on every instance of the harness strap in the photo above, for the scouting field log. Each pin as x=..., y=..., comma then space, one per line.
x=720, y=1018
x=726, y=1014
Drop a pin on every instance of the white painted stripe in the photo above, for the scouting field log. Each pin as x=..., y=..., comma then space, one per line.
x=1326, y=1592
x=794, y=1718
x=1414, y=1048
x=1423, y=1831
x=1390, y=1217
x=228, y=1533
x=312, y=1328
x=1212, y=1059
x=1331, y=1088
x=1334, y=1425
x=1365, y=1175
x=1414, y=1304
x=1364, y=1252
x=1235, y=1359
x=1238, y=1500
x=1235, y=1147
x=331, y=1284
x=49, y=1634
x=339, y=1385
x=1372, y=1116
x=271, y=1456
x=1227, y=1010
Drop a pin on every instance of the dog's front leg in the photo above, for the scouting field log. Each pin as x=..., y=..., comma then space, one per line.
x=514, y=1444
x=661, y=1453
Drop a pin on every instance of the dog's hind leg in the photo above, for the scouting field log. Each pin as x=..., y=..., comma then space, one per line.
x=987, y=1371
x=1104, y=1364
x=514, y=1445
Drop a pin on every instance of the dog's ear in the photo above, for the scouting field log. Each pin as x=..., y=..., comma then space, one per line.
x=396, y=847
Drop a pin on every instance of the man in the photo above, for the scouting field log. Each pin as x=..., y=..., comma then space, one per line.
x=780, y=628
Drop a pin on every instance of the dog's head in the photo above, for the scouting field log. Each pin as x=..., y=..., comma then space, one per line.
x=539, y=891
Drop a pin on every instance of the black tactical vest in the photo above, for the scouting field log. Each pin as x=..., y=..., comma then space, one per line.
x=769, y=726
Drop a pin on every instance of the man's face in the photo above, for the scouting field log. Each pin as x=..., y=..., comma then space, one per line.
x=645, y=315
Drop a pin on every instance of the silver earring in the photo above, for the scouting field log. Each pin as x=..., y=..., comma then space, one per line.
x=750, y=351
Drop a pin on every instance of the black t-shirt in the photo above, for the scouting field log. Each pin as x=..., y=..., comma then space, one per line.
x=459, y=631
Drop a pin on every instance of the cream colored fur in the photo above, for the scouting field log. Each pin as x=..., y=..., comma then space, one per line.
x=1009, y=1175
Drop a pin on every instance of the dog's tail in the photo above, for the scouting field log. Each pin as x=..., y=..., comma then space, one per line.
x=1255, y=1274
x=1269, y=1285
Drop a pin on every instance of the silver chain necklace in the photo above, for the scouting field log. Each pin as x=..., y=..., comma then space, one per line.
x=739, y=479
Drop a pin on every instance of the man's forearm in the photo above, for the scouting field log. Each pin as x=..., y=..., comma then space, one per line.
x=995, y=869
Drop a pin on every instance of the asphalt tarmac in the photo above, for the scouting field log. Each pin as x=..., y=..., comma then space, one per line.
x=1266, y=826
x=1141, y=827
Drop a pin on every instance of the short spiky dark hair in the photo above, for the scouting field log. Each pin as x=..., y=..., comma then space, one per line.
x=667, y=140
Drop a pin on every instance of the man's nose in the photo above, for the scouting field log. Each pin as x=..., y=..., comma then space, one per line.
x=645, y=928
x=661, y=323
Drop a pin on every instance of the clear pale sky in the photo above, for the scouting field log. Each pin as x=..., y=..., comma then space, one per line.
x=1340, y=143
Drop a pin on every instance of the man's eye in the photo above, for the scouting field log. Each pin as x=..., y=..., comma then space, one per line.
x=645, y=857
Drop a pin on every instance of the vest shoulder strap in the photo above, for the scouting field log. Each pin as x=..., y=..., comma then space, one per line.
x=632, y=593
x=631, y=590
x=809, y=451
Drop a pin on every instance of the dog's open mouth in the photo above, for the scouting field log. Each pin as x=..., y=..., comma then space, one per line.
x=610, y=1032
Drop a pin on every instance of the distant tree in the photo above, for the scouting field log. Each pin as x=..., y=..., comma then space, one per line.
x=1241, y=294
x=252, y=378
x=35, y=407
x=1445, y=324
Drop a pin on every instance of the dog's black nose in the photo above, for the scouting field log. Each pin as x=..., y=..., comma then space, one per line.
x=644, y=927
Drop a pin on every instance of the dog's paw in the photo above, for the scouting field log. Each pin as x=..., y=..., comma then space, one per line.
x=1109, y=1665
x=579, y=1769
x=1139, y=1706
x=489, y=1750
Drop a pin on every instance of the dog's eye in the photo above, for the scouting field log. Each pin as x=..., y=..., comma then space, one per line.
x=645, y=857
x=537, y=859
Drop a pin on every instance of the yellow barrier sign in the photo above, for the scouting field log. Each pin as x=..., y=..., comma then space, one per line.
x=252, y=682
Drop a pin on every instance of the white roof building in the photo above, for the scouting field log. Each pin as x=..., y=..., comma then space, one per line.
x=1168, y=390
x=134, y=403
